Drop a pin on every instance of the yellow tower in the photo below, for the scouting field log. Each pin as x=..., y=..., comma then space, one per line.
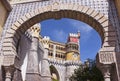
x=72, y=47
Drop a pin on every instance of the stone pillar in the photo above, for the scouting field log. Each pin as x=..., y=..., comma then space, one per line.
x=54, y=51
x=32, y=73
x=8, y=72
x=105, y=61
x=45, y=70
x=106, y=70
x=17, y=75
x=1, y=61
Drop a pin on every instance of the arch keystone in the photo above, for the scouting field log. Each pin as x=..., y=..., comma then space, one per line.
x=55, y=6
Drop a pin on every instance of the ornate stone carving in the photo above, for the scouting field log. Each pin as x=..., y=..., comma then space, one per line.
x=55, y=6
x=35, y=30
x=32, y=73
x=106, y=57
x=8, y=71
x=106, y=70
x=45, y=42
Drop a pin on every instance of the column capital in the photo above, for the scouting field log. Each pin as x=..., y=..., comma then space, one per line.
x=45, y=42
x=9, y=72
x=106, y=70
x=35, y=30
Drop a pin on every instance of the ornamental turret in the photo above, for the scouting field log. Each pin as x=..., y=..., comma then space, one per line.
x=72, y=47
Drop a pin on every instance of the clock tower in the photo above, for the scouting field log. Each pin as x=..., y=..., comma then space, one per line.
x=73, y=47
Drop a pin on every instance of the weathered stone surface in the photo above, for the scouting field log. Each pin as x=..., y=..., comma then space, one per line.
x=32, y=72
x=107, y=57
x=17, y=75
x=85, y=11
x=45, y=71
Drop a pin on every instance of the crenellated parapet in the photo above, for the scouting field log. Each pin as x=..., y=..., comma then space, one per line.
x=33, y=31
x=45, y=41
x=64, y=62
x=73, y=63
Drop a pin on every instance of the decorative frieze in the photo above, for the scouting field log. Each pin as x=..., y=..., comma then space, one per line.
x=106, y=57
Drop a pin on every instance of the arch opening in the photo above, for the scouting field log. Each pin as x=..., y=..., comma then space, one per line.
x=54, y=73
x=82, y=13
x=59, y=30
x=64, y=14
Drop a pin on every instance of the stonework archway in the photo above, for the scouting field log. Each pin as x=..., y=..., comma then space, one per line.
x=75, y=11
x=54, y=73
x=97, y=20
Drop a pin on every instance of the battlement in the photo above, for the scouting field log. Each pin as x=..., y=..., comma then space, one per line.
x=46, y=38
x=35, y=28
x=64, y=62
x=77, y=35
x=73, y=35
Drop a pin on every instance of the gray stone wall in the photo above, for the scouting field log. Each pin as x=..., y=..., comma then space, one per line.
x=64, y=68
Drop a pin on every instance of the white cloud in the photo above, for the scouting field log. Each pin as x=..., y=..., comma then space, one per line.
x=80, y=26
x=59, y=35
x=84, y=29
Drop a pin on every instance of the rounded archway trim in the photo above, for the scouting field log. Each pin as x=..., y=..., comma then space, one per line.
x=53, y=69
x=75, y=11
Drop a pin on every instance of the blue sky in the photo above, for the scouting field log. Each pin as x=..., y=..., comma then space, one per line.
x=58, y=30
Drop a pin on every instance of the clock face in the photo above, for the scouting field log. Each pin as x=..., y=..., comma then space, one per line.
x=75, y=55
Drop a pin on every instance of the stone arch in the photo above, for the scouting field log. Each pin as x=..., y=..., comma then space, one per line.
x=54, y=70
x=75, y=11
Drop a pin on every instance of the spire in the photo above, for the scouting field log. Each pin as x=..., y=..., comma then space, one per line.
x=78, y=34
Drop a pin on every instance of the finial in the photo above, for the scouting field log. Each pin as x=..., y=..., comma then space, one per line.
x=78, y=34
x=35, y=30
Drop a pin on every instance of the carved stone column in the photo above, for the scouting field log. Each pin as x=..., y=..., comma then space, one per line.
x=106, y=70
x=17, y=75
x=45, y=70
x=8, y=73
x=32, y=73
x=105, y=61
x=1, y=61
x=8, y=67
